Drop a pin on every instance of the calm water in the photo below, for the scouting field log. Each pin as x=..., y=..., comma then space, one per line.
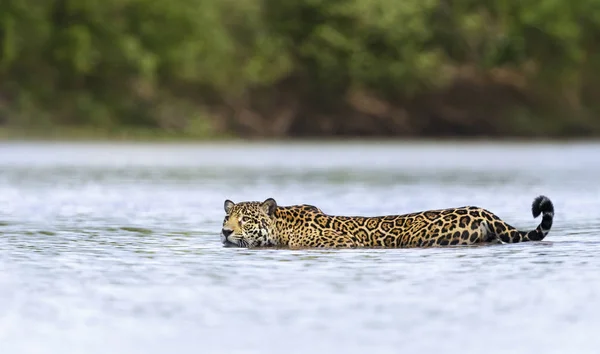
x=115, y=249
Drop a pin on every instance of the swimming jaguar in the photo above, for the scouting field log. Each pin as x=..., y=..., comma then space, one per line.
x=265, y=224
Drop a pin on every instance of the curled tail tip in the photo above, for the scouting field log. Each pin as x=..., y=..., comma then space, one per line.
x=541, y=204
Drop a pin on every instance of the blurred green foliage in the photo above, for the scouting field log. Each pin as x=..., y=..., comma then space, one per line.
x=175, y=64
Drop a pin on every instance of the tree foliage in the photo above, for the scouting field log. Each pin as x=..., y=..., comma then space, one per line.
x=166, y=63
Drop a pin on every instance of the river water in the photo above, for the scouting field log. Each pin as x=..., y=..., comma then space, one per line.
x=114, y=248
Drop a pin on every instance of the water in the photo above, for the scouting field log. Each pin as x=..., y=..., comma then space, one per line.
x=114, y=248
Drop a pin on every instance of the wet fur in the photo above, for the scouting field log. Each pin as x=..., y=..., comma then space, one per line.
x=265, y=224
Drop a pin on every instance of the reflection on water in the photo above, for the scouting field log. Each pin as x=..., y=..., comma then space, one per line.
x=115, y=248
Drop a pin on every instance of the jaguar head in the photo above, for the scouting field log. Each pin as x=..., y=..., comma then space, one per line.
x=248, y=224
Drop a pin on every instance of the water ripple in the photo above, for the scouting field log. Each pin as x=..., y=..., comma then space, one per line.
x=115, y=248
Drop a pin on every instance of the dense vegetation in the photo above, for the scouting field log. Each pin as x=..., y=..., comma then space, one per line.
x=303, y=67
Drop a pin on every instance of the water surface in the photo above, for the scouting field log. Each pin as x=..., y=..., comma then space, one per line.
x=114, y=248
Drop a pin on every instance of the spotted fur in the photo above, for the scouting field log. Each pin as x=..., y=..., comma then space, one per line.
x=265, y=224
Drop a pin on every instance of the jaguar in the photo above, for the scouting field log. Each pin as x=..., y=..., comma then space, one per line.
x=255, y=224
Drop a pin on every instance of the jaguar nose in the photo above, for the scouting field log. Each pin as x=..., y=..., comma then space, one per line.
x=224, y=234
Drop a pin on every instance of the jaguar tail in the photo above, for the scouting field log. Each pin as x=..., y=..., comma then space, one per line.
x=541, y=205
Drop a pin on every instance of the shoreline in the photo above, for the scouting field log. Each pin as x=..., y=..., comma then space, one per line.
x=142, y=136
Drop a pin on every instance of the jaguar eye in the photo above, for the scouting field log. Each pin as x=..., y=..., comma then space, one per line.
x=245, y=219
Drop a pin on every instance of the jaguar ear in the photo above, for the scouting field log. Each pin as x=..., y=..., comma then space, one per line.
x=269, y=206
x=228, y=205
